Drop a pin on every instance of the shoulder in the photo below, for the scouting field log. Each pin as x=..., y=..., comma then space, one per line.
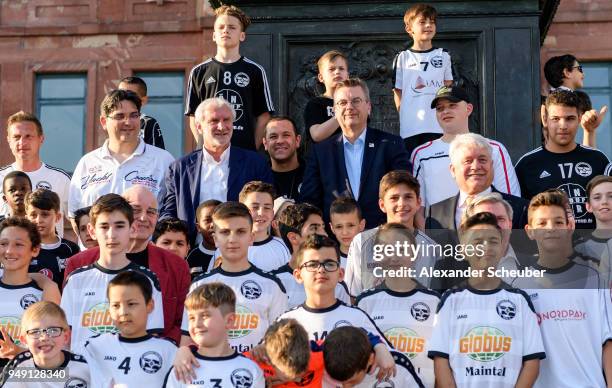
x=158, y=154
x=74, y=248
x=74, y=357
x=282, y=269
x=254, y=64
x=80, y=272
x=148, y=273
x=57, y=171
x=497, y=146
x=270, y=276
x=5, y=169
x=383, y=136
x=245, y=154
x=368, y=293
x=523, y=295
x=292, y=312
x=202, y=66
x=422, y=238
x=202, y=277
x=422, y=151
x=448, y=295
x=530, y=156
x=594, y=152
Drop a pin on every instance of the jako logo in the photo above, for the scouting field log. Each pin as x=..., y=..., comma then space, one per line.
x=406, y=341
x=98, y=319
x=12, y=327
x=244, y=323
x=562, y=315
x=484, y=343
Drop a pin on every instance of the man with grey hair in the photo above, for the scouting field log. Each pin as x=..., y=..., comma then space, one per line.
x=217, y=171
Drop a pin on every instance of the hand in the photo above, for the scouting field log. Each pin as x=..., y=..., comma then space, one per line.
x=8, y=348
x=592, y=119
x=385, y=363
x=183, y=364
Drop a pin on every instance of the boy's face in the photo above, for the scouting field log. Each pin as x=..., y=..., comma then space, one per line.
x=562, y=123
x=14, y=192
x=129, y=310
x=575, y=76
x=422, y=28
x=360, y=375
x=112, y=232
x=233, y=236
x=346, y=226
x=206, y=226
x=84, y=235
x=16, y=249
x=24, y=140
x=45, y=347
x=487, y=243
x=548, y=225
x=320, y=280
x=395, y=261
x=228, y=32
x=453, y=116
x=261, y=206
x=400, y=203
x=503, y=220
x=44, y=220
x=208, y=326
x=333, y=72
x=175, y=242
x=600, y=202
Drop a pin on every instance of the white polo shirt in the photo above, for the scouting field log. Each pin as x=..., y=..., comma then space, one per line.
x=99, y=173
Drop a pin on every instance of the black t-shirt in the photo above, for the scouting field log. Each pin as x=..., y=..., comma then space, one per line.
x=51, y=260
x=199, y=259
x=140, y=258
x=540, y=170
x=243, y=84
x=151, y=132
x=318, y=110
x=288, y=183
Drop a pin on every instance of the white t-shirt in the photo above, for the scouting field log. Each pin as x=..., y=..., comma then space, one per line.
x=13, y=302
x=407, y=320
x=74, y=372
x=486, y=335
x=86, y=306
x=260, y=298
x=419, y=75
x=46, y=177
x=232, y=371
x=430, y=165
x=135, y=362
x=266, y=255
x=98, y=173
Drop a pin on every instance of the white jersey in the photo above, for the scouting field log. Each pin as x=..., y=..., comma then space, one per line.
x=486, y=335
x=129, y=362
x=419, y=75
x=406, y=319
x=14, y=300
x=46, y=177
x=360, y=265
x=266, y=255
x=600, y=249
x=98, y=173
x=319, y=322
x=296, y=292
x=73, y=373
x=86, y=306
x=219, y=372
x=260, y=298
x=430, y=165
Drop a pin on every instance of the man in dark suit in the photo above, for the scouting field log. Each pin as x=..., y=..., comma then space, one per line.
x=352, y=163
x=217, y=171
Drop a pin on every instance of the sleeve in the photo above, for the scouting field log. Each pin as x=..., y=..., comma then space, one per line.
x=352, y=274
x=608, y=170
x=440, y=342
x=96, y=371
x=193, y=97
x=312, y=185
x=155, y=321
x=310, y=117
x=259, y=380
x=533, y=347
x=369, y=326
x=262, y=99
x=158, y=137
x=170, y=380
x=184, y=280
x=75, y=194
x=397, y=71
x=418, y=174
x=168, y=206
x=605, y=297
x=185, y=323
x=504, y=176
x=448, y=71
x=279, y=303
x=66, y=303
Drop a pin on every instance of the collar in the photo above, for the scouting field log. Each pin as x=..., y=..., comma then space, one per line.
x=16, y=168
x=360, y=140
x=106, y=154
x=463, y=196
x=562, y=87
x=204, y=250
x=208, y=159
x=54, y=245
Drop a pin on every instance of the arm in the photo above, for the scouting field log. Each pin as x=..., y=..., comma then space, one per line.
x=504, y=175
x=320, y=132
x=50, y=290
x=399, y=158
x=385, y=362
x=397, y=98
x=607, y=362
x=183, y=282
x=529, y=374
x=194, y=131
x=260, y=128
x=168, y=206
x=443, y=373
x=590, y=121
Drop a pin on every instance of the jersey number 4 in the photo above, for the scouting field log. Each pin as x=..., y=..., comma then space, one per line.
x=125, y=365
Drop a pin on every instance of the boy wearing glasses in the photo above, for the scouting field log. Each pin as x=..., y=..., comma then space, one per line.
x=123, y=160
x=46, y=334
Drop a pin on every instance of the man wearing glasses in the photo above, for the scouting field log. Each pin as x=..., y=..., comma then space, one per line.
x=123, y=160
x=353, y=162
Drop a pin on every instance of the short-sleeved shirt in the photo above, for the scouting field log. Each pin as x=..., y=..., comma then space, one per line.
x=51, y=259
x=243, y=83
x=74, y=372
x=289, y=183
x=419, y=75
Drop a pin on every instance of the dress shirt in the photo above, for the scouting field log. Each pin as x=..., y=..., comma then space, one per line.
x=462, y=204
x=353, y=159
x=214, y=179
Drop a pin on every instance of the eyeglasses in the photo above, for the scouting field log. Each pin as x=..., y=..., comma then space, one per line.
x=50, y=332
x=328, y=265
x=579, y=67
x=355, y=102
x=122, y=117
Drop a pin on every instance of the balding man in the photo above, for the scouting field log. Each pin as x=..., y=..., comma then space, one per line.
x=171, y=270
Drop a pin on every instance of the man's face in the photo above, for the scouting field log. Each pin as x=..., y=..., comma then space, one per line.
x=400, y=203
x=351, y=108
x=333, y=72
x=233, y=236
x=24, y=140
x=133, y=88
x=280, y=141
x=15, y=190
x=472, y=169
x=227, y=32
x=453, y=116
x=600, y=202
x=44, y=220
x=487, y=243
x=314, y=225
x=123, y=123
x=112, y=232
x=175, y=242
x=562, y=123
x=320, y=280
x=261, y=206
x=205, y=225
x=503, y=220
x=144, y=204
x=216, y=127
x=346, y=226
x=548, y=225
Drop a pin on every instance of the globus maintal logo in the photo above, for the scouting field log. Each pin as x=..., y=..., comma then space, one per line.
x=406, y=341
x=98, y=319
x=485, y=343
x=244, y=323
x=12, y=327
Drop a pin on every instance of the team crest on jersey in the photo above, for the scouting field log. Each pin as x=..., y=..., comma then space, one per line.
x=234, y=99
x=12, y=327
x=98, y=320
x=28, y=300
x=406, y=340
x=242, y=79
x=342, y=323
x=583, y=169
x=384, y=384
x=506, y=309
x=151, y=362
x=485, y=344
x=436, y=61
x=420, y=311
x=577, y=198
x=43, y=185
x=242, y=378
x=250, y=289
x=244, y=323
x=75, y=382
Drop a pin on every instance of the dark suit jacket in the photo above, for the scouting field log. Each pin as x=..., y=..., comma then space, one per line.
x=182, y=182
x=326, y=173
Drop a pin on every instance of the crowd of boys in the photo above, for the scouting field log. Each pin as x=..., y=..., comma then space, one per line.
x=217, y=270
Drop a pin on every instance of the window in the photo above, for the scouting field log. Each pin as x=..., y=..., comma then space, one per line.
x=165, y=91
x=60, y=106
x=598, y=85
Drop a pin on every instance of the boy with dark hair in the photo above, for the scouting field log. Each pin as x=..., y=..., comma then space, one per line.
x=296, y=224
x=199, y=257
x=81, y=219
x=345, y=222
x=172, y=234
x=43, y=209
x=418, y=73
x=136, y=357
x=15, y=186
x=84, y=298
x=260, y=295
x=233, y=77
x=149, y=127
x=319, y=119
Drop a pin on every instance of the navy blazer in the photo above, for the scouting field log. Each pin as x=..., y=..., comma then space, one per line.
x=182, y=182
x=325, y=175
